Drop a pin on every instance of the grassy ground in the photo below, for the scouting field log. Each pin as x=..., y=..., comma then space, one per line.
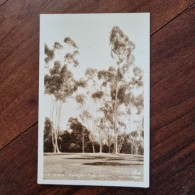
x=89, y=166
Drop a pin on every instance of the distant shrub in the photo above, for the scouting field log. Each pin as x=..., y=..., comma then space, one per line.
x=105, y=148
x=74, y=148
x=140, y=150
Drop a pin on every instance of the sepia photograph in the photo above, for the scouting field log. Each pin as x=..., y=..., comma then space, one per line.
x=94, y=77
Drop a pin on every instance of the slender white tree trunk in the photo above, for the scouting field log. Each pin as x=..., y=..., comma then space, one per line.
x=93, y=148
x=115, y=118
x=100, y=142
x=56, y=120
x=100, y=147
x=83, y=142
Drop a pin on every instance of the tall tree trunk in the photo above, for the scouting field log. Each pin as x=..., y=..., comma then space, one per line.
x=53, y=130
x=55, y=144
x=115, y=118
x=100, y=146
x=108, y=141
x=83, y=143
x=55, y=115
x=93, y=128
x=58, y=111
x=116, y=144
x=100, y=133
x=93, y=148
x=52, y=137
x=56, y=148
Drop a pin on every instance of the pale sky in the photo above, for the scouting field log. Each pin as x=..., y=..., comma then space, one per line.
x=91, y=34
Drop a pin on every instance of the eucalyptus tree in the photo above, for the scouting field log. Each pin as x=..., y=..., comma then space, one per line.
x=121, y=137
x=107, y=77
x=61, y=84
x=107, y=109
x=84, y=116
x=94, y=94
x=139, y=139
x=121, y=52
x=134, y=104
x=136, y=83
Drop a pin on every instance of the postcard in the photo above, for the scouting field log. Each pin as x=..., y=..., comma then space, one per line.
x=94, y=99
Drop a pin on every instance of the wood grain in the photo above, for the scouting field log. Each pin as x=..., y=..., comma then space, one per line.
x=2, y=2
x=19, y=172
x=19, y=49
x=172, y=120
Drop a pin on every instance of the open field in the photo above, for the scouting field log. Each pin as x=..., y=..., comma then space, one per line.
x=89, y=166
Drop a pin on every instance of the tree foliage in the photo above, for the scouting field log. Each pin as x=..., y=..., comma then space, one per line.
x=49, y=54
x=105, y=98
x=60, y=82
x=48, y=147
x=97, y=95
x=121, y=46
x=70, y=42
x=78, y=132
x=90, y=73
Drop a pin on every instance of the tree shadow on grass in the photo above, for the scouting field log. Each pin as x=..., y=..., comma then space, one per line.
x=111, y=164
x=140, y=160
x=56, y=154
x=86, y=158
x=105, y=158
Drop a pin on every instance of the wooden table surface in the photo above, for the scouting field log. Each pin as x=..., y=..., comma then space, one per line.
x=172, y=146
